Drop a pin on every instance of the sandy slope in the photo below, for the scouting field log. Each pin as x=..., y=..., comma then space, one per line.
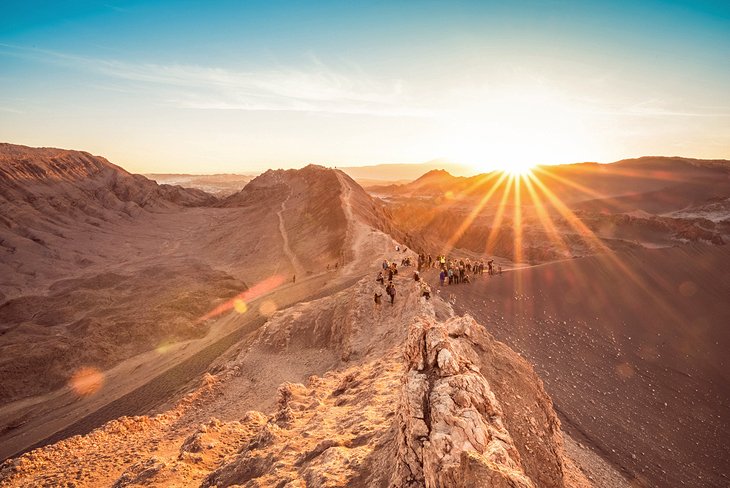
x=636, y=361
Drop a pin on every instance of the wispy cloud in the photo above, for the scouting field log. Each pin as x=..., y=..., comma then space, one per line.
x=316, y=89
x=10, y=110
x=648, y=108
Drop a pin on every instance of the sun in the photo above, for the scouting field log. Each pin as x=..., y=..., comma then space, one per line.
x=511, y=168
x=518, y=169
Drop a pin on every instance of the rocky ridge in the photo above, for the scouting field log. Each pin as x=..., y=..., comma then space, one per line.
x=414, y=396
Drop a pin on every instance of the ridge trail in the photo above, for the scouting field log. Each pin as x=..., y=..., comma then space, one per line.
x=356, y=232
x=296, y=265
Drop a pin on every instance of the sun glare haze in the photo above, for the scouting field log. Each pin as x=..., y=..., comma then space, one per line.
x=245, y=86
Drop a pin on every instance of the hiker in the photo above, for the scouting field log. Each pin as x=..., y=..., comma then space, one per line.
x=390, y=274
x=390, y=290
x=466, y=279
x=385, y=264
x=442, y=277
x=378, y=294
x=490, y=265
x=380, y=278
x=397, y=248
x=425, y=290
x=451, y=276
x=416, y=276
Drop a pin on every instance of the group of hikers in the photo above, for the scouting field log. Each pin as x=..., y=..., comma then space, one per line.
x=451, y=272
x=454, y=272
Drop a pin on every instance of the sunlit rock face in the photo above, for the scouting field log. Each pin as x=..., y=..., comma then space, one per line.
x=454, y=431
x=417, y=411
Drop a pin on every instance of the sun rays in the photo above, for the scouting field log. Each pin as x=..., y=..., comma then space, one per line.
x=539, y=218
x=522, y=188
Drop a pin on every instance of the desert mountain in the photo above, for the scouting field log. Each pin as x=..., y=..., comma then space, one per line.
x=197, y=341
x=434, y=183
x=109, y=286
x=53, y=200
x=309, y=197
x=646, y=202
x=383, y=174
x=602, y=186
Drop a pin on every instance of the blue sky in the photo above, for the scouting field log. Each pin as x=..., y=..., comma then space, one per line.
x=241, y=86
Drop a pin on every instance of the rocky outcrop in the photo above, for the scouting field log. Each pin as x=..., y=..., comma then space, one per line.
x=451, y=425
x=428, y=413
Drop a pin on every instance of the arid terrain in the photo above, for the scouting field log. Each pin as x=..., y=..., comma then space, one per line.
x=160, y=335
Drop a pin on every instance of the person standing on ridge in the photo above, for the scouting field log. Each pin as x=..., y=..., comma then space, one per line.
x=391, y=291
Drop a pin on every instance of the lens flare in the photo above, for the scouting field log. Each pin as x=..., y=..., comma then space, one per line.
x=268, y=308
x=262, y=288
x=86, y=381
x=240, y=306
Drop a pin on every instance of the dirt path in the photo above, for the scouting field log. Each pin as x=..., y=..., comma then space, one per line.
x=296, y=265
x=356, y=232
